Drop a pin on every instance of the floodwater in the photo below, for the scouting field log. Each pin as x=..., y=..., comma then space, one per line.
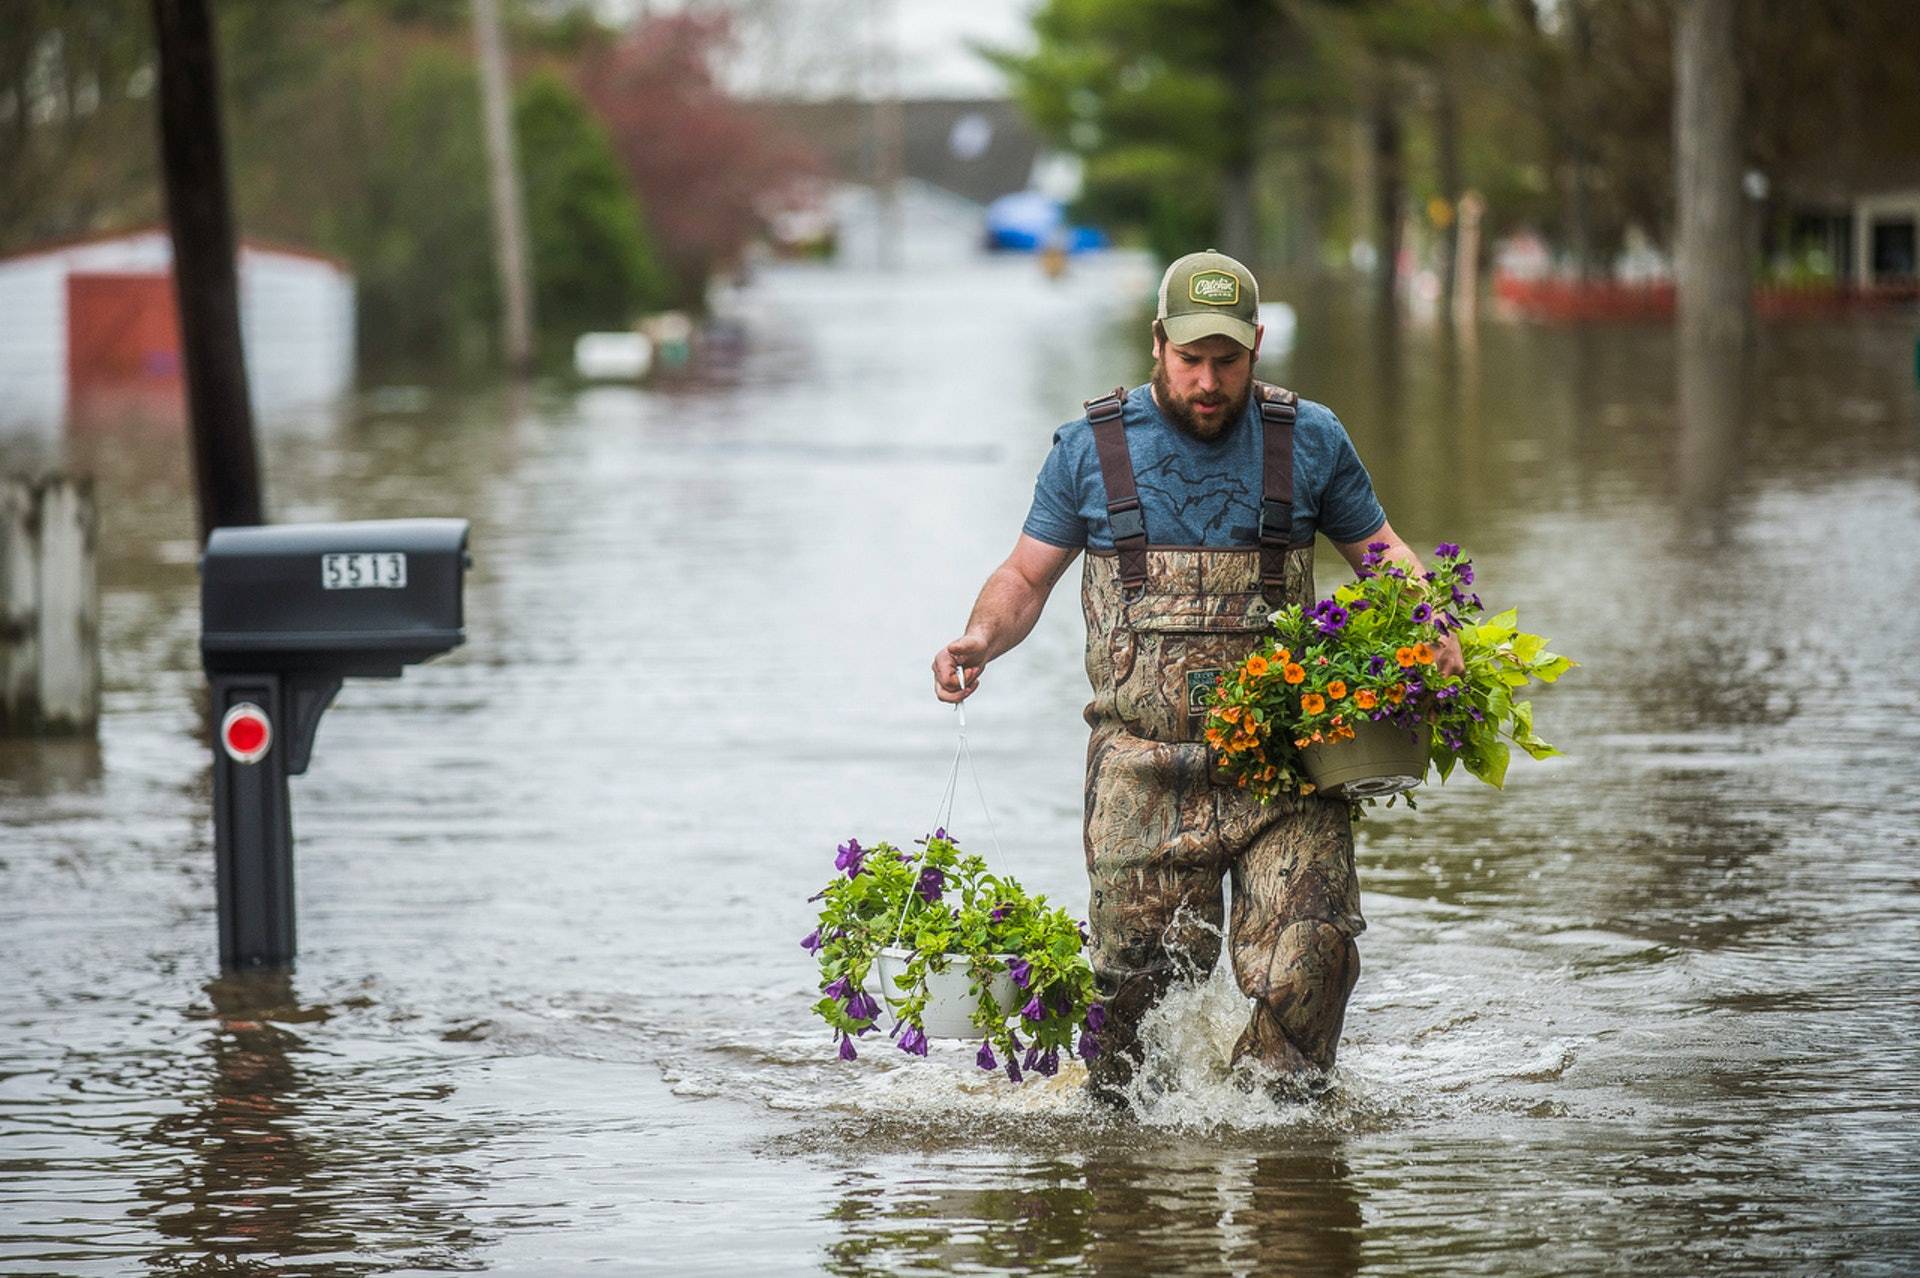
x=1651, y=1009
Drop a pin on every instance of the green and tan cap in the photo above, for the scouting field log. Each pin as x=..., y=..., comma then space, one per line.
x=1204, y=294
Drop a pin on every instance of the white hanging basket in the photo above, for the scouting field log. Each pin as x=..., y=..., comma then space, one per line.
x=950, y=997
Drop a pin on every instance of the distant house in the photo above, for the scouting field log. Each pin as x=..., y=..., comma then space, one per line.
x=1859, y=216
x=89, y=330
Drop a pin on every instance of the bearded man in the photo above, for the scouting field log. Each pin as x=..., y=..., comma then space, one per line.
x=1196, y=498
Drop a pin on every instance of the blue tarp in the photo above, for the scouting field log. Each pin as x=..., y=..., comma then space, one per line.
x=1027, y=220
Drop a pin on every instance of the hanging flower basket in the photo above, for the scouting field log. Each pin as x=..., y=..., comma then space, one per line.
x=942, y=947
x=1346, y=698
x=1379, y=759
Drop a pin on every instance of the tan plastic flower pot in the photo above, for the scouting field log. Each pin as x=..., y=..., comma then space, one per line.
x=1382, y=759
x=950, y=1006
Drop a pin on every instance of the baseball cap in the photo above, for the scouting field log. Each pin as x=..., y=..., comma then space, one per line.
x=1203, y=294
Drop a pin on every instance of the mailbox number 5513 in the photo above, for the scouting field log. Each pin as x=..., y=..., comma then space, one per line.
x=363, y=569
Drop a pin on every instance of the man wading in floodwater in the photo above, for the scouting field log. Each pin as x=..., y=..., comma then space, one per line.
x=1196, y=499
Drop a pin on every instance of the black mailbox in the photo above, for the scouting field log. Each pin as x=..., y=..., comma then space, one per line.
x=360, y=599
x=287, y=612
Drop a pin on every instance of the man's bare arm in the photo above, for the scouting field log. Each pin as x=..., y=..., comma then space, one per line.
x=1355, y=552
x=1003, y=615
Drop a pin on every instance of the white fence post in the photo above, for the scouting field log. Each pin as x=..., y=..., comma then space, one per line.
x=49, y=607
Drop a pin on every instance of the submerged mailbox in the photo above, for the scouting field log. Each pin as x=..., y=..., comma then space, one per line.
x=287, y=612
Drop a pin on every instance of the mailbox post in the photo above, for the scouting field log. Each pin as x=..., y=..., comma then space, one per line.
x=287, y=613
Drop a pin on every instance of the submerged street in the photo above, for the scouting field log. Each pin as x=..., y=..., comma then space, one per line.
x=1648, y=1009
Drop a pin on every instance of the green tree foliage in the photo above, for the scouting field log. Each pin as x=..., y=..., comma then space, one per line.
x=593, y=261
x=1164, y=100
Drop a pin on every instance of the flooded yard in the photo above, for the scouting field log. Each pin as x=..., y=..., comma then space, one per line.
x=1651, y=1009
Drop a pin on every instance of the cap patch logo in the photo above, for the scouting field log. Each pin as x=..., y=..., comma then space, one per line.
x=1214, y=288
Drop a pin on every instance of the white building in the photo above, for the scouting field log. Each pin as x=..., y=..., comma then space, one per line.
x=89, y=329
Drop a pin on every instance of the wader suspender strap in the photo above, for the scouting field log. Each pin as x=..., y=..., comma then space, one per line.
x=1277, y=408
x=1123, y=499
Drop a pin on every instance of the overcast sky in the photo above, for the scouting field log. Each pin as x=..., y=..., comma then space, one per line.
x=822, y=48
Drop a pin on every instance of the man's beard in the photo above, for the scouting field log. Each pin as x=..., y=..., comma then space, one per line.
x=1180, y=411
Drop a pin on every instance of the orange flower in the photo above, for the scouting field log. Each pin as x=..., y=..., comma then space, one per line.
x=1397, y=693
x=1230, y=713
x=1405, y=657
x=1366, y=699
x=1319, y=661
x=1423, y=654
x=1283, y=656
x=1256, y=665
x=1345, y=733
x=1313, y=703
x=1294, y=673
x=1337, y=689
x=1301, y=742
x=1216, y=738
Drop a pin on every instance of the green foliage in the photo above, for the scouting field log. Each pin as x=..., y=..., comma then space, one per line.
x=593, y=263
x=941, y=908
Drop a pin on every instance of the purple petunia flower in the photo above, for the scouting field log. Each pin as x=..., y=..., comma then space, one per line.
x=811, y=943
x=862, y=1006
x=1013, y=1041
x=985, y=1058
x=940, y=833
x=1475, y=601
x=1423, y=614
x=1083, y=932
x=933, y=881
x=1415, y=687
x=1013, y=1069
x=1021, y=971
x=1474, y=712
x=1032, y=1059
x=1097, y=1017
x=1448, y=622
x=1446, y=550
x=850, y=857
x=1466, y=574
x=1033, y=1011
x=1376, y=665
x=1376, y=546
x=1330, y=618
x=839, y=989
x=914, y=1041
x=1089, y=1047
x=1359, y=605
x=999, y=913
x=846, y=1048
x=1050, y=1063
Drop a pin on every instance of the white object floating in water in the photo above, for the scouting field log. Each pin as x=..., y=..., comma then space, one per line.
x=1279, y=321
x=612, y=357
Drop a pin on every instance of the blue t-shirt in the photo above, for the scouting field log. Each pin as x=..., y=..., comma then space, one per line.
x=1203, y=492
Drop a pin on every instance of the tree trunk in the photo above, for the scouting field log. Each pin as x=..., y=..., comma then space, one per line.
x=1446, y=127
x=503, y=172
x=226, y=466
x=1710, y=248
x=1384, y=131
x=1239, y=233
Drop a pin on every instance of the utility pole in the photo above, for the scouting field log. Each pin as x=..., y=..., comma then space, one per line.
x=503, y=170
x=1710, y=249
x=226, y=465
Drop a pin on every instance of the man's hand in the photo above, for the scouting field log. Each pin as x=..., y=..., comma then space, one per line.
x=1008, y=606
x=1447, y=660
x=951, y=679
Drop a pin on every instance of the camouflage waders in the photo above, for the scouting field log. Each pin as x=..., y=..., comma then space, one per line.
x=1162, y=831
